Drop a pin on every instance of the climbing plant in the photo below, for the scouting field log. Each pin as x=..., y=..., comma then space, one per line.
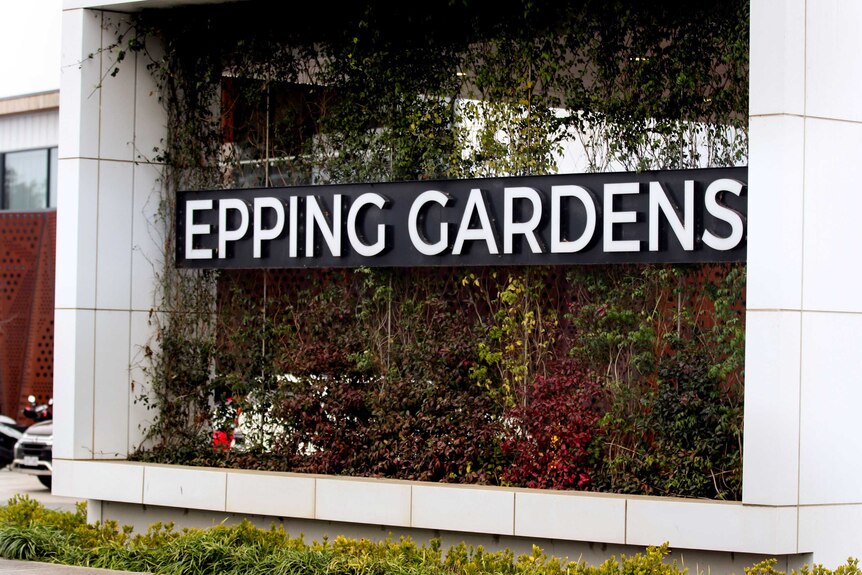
x=444, y=374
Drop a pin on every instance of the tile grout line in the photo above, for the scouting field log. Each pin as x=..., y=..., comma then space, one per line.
x=626, y=521
x=314, y=499
x=799, y=378
x=129, y=382
x=804, y=116
x=514, y=513
x=96, y=263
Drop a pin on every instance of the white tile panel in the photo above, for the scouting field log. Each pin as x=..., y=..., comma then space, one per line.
x=270, y=494
x=830, y=451
x=79, y=81
x=184, y=487
x=150, y=114
x=363, y=501
x=833, y=227
x=114, y=264
x=570, y=516
x=690, y=524
x=75, y=280
x=775, y=213
x=466, y=508
x=834, y=59
x=777, y=57
x=147, y=237
x=141, y=413
x=684, y=524
x=772, y=383
x=117, y=88
x=114, y=4
x=74, y=350
x=833, y=531
x=111, y=419
x=98, y=480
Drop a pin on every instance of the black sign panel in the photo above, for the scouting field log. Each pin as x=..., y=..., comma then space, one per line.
x=648, y=217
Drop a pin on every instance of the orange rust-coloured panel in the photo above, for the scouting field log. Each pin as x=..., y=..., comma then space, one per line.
x=27, y=255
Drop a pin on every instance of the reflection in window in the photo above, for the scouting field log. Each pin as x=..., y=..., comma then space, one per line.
x=53, y=165
x=29, y=179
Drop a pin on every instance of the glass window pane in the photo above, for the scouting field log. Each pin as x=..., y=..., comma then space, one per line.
x=52, y=179
x=26, y=178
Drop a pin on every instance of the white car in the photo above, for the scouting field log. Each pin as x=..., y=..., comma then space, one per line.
x=33, y=452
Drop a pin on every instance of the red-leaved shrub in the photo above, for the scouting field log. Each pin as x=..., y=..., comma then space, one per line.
x=549, y=436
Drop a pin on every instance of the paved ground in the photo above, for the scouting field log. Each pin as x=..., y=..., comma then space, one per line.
x=34, y=568
x=12, y=483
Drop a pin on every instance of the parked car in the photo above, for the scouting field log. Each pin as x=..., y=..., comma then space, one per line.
x=10, y=432
x=34, y=450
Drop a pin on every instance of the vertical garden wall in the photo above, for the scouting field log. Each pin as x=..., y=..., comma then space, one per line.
x=611, y=378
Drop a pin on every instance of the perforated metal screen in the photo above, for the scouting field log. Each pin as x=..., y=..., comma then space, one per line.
x=27, y=254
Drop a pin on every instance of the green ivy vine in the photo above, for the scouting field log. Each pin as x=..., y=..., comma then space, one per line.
x=427, y=374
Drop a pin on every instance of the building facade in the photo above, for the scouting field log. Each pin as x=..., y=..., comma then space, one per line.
x=801, y=499
x=28, y=195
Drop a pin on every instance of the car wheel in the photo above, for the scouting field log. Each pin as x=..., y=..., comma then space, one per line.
x=45, y=480
x=5, y=457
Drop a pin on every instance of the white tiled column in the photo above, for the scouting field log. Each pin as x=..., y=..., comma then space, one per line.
x=107, y=249
x=75, y=297
x=775, y=262
x=832, y=299
x=804, y=334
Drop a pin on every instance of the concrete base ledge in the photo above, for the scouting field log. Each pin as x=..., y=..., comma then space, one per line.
x=560, y=515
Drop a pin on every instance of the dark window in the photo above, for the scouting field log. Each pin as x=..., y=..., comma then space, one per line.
x=269, y=129
x=29, y=179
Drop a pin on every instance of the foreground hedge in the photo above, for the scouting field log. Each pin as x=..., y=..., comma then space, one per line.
x=29, y=531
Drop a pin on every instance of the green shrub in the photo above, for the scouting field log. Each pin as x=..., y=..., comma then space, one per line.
x=689, y=436
x=30, y=532
x=378, y=373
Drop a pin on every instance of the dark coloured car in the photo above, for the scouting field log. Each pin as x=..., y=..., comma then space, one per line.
x=10, y=432
x=34, y=450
